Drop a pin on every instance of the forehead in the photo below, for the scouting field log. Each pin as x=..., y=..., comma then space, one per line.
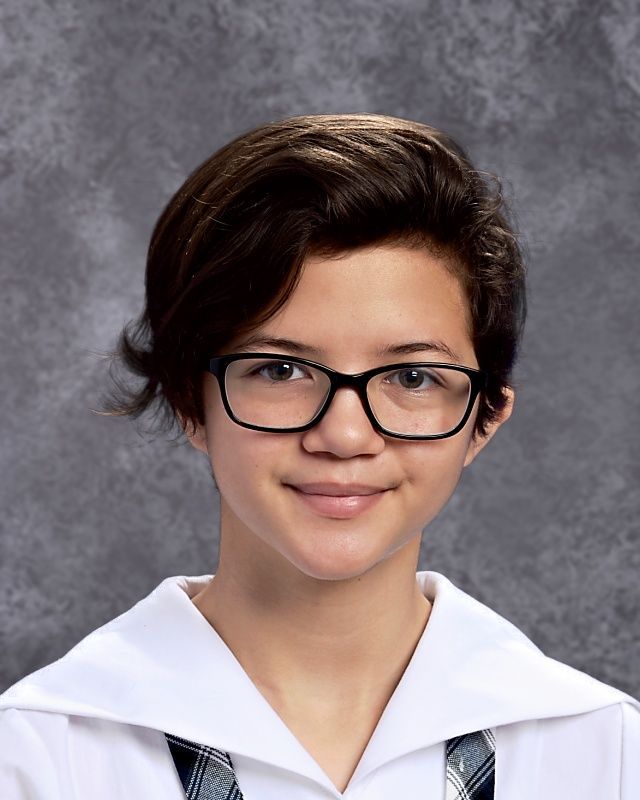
x=363, y=300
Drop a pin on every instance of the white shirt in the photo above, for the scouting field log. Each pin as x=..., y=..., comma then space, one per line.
x=91, y=725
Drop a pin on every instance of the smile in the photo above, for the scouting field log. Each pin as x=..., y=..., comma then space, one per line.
x=340, y=507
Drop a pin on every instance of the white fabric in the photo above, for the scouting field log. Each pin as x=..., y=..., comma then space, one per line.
x=91, y=725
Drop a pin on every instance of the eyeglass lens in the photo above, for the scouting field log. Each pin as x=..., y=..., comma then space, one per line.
x=274, y=393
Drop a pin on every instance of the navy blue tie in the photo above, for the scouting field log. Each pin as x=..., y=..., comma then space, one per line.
x=207, y=773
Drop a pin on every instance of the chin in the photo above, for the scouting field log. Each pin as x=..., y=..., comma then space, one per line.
x=333, y=575
x=336, y=567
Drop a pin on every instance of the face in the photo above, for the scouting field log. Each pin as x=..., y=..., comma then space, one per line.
x=348, y=308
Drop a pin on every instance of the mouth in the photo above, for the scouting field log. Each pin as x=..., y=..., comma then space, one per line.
x=336, y=505
x=338, y=489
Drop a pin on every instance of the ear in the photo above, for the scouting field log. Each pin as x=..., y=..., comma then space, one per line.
x=478, y=442
x=197, y=436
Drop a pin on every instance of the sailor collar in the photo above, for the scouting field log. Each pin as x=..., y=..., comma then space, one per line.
x=162, y=665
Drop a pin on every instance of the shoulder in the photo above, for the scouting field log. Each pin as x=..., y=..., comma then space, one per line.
x=33, y=747
x=590, y=754
x=630, y=749
x=47, y=755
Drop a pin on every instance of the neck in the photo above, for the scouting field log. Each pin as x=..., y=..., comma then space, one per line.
x=298, y=638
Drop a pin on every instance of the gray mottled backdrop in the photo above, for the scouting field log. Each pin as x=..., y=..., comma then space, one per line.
x=108, y=105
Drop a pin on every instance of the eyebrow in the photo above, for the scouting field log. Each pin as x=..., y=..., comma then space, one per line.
x=302, y=349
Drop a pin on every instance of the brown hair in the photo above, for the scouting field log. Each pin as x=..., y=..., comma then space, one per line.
x=228, y=249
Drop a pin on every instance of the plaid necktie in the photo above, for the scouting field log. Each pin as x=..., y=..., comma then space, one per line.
x=471, y=761
x=207, y=773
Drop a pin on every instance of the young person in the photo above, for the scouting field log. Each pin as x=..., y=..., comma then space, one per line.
x=334, y=305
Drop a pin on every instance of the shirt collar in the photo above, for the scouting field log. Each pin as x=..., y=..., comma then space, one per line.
x=161, y=665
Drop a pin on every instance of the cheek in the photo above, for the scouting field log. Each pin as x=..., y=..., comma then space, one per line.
x=441, y=458
x=433, y=470
x=243, y=461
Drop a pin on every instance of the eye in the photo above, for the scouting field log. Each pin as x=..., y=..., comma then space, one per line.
x=278, y=371
x=414, y=379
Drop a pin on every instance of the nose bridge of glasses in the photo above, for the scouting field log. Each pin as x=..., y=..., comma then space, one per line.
x=353, y=384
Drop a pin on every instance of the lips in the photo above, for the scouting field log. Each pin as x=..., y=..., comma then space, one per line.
x=333, y=503
x=338, y=489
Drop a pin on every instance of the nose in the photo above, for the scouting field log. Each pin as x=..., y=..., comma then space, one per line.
x=345, y=428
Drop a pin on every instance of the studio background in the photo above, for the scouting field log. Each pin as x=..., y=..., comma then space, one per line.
x=107, y=106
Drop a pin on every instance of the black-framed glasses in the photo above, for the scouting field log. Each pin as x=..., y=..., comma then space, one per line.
x=410, y=400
